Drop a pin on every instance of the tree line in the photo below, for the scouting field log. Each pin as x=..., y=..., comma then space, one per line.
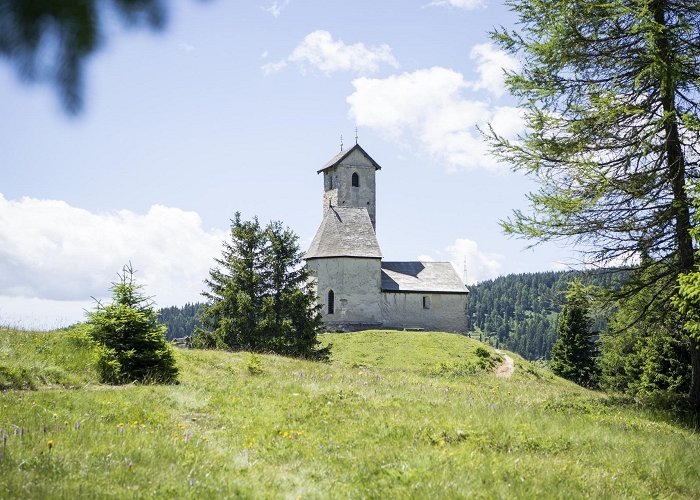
x=520, y=312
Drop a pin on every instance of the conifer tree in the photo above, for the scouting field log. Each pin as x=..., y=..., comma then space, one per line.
x=260, y=297
x=574, y=353
x=131, y=340
x=610, y=93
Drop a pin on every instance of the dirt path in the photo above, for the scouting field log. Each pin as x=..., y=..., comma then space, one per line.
x=506, y=368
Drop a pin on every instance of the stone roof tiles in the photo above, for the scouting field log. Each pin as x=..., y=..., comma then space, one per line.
x=421, y=277
x=345, y=232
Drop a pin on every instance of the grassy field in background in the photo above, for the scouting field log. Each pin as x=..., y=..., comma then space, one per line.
x=395, y=414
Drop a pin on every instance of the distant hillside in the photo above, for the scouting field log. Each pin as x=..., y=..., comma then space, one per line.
x=519, y=312
x=181, y=321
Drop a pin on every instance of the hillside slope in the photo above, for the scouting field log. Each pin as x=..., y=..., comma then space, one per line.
x=393, y=415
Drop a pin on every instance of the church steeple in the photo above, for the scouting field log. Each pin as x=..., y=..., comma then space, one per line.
x=348, y=182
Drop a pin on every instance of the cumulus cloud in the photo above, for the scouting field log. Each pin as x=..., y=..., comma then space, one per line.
x=480, y=265
x=491, y=65
x=52, y=251
x=460, y=4
x=431, y=107
x=276, y=8
x=273, y=67
x=319, y=51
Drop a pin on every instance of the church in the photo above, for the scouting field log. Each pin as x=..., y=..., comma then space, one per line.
x=357, y=290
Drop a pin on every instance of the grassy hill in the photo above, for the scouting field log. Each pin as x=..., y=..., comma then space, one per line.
x=394, y=414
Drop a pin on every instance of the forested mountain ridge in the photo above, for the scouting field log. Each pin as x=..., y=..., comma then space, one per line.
x=181, y=321
x=519, y=312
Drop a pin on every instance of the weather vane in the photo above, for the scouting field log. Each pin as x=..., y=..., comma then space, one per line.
x=341, y=142
x=355, y=134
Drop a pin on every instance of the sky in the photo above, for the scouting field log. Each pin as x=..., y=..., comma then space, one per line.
x=234, y=106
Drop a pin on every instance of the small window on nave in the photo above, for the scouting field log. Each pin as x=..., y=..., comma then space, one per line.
x=331, y=302
x=355, y=180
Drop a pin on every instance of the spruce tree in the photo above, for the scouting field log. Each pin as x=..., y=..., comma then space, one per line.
x=260, y=297
x=574, y=353
x=131, y=339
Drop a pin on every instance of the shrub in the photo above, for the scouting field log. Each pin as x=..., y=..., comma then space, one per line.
x=131, y=340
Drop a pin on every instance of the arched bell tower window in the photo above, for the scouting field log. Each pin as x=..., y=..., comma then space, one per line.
x=331, y=302
x=355, y=180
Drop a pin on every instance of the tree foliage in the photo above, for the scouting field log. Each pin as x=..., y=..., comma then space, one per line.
x=260, y=295
x=574, y=352
x=51, y=39
x=520, y=311
x=642, y=356
x=131, y=340
x=610, y=98
x=180, y=321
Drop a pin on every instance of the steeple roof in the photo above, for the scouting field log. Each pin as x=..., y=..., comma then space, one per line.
x=345, y=232
x=344, y=154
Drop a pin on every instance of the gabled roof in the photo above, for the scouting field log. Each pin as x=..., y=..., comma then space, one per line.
x=344, y=154
x=345, y=232
x=421, y=277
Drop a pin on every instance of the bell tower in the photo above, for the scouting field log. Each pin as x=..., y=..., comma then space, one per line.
x=349, y=182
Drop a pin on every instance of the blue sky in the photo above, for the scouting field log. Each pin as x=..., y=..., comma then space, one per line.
x=233, y=107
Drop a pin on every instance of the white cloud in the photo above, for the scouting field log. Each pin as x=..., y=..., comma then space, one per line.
x=460, y=4
x=491, y=64
x=480, y=265
x=52, y=251
x=430, y=107
x=42, y=314
x=276, y=8
x=318, y=50
x=273, y=67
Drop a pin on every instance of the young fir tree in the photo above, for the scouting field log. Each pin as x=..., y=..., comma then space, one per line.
x=573, y=354
x=260, y=296
x=131, y=340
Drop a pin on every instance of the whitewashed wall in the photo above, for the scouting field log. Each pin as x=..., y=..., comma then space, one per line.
x=447, y=313
x=356, y=285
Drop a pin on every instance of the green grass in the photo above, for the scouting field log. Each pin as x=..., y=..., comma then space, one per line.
x=395, y=414
x=29, y=359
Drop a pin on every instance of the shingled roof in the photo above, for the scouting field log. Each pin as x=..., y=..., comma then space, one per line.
x=345, y=232
x=421, y=277
x=344, y=154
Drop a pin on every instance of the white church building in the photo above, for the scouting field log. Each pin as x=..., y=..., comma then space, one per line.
x=357, y=290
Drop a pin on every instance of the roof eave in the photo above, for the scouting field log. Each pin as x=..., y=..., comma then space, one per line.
x=449, y=292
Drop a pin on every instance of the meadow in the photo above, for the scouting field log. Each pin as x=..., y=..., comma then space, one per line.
x=394, y=414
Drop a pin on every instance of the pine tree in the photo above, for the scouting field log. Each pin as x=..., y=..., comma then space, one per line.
x=574, y=354
x=131, y=340
x=260, y=296
x=610, y=98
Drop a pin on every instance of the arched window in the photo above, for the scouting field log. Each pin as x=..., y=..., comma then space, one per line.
x=355, y=180
x=331, y=302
